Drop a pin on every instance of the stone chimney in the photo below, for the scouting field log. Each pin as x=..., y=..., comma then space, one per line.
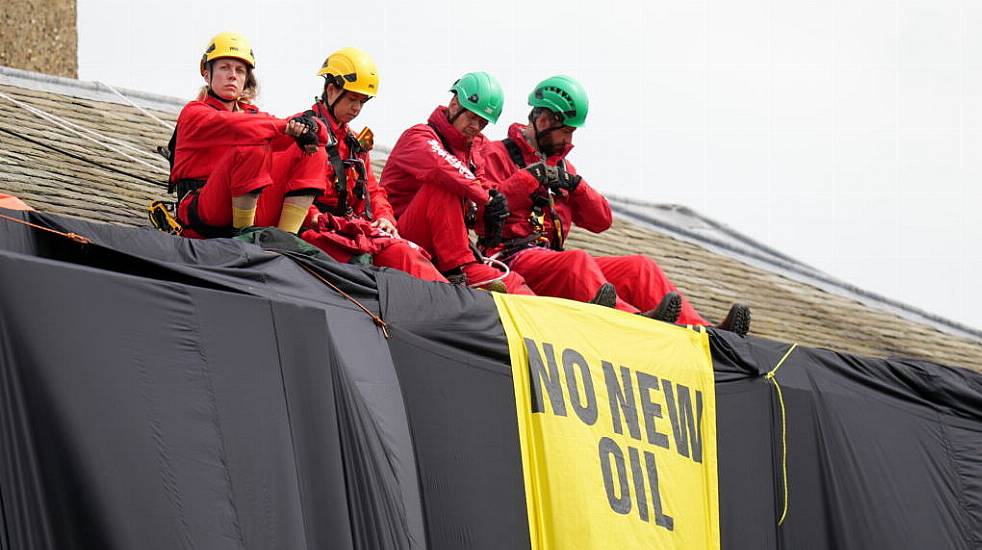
x=40, y=36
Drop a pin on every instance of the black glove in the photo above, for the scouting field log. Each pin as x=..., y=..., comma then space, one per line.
x=495, y=214
x=309, y=136
x=548, y=176
x=565, y=180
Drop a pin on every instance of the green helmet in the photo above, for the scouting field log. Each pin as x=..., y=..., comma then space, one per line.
x=563, y=96
x=480, y=94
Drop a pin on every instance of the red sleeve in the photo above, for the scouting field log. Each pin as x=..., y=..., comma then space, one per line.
x=493, y=164
x=591, y=211
x=204, y=125
x=518, y=189
x=424, y=158
x=380, y=199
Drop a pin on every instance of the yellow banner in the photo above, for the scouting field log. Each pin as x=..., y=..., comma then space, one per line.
x=617, y=420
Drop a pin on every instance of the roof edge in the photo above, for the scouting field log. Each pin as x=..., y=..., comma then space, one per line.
x=781, y=264
x=95, y=91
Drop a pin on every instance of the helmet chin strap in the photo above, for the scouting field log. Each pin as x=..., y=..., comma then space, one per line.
x=331, y=104
x=453, y=117
x=539, y=134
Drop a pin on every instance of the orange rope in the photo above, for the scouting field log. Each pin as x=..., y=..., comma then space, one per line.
x=375, y=318
x=73, y=236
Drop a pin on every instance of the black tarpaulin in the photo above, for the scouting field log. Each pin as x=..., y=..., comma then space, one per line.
x=163, y=393
x=881, y=454
x=324, y=364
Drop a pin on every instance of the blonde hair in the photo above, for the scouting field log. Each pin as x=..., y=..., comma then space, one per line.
x=249, y=92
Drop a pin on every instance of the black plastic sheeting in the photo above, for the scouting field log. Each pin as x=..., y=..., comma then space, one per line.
x=157, y=392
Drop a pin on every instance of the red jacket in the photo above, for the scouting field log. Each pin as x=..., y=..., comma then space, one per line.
x=585, y=207
x=379, y=201
x=206, y=131
x=434, y=153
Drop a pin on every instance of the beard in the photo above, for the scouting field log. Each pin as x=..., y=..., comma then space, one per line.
x=547, y=146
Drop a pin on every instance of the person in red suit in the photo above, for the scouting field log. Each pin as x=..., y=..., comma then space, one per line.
x=353, y=221
x=224, y=150
x=436, y=192
x=544, y=209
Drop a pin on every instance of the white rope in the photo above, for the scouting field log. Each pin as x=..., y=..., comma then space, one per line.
x=141, y=109
x=65, y=122
x=493, y=263
x=67, y=125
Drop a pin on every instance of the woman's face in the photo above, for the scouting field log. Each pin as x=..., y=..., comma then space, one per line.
x=227, y=78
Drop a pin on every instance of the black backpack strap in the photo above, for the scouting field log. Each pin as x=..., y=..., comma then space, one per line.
x=514, y=152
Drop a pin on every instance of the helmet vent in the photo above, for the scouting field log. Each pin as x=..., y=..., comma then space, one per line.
x=562, y=93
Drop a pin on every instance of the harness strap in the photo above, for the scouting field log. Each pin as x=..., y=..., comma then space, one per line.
x=513, y=246
x=199, y=226
x=514, y=152
x=361, y=183
x=449, y=150
x=557, y=242
x=337, y=164
x=443, y=140
x=185, y=186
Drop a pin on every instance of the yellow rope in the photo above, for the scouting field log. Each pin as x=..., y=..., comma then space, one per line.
x=784, y=431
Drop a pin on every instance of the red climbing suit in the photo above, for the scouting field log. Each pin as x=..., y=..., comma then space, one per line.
x=572, y=274
x=234, y=153
x=431, y=184
x=346, y=231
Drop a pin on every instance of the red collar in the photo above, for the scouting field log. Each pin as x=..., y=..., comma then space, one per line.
x=516, y=133
x=452, y=136
x=216, y=103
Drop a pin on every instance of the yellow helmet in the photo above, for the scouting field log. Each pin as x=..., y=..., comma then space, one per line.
x=228, y=44
x=353, y=70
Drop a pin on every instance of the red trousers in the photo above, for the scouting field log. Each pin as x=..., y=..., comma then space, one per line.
x=576, y=275
x=249, y=169
x=403, y=256
x=343, y=237
x=434, y=220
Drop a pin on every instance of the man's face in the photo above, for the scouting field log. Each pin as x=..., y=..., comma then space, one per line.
x=349, y=106
x=466, y=122
x=556, y=140
x=227, y=78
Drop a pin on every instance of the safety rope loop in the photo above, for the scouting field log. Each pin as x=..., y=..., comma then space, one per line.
x=379, y=322
x=770, y=376
x=72, y=236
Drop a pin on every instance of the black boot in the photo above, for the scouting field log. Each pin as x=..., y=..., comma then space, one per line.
x=668, y=309
x=606, y=296
x=737, y=320
x=456, y=277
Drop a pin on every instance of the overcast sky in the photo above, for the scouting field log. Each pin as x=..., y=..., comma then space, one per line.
x=844, y=133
